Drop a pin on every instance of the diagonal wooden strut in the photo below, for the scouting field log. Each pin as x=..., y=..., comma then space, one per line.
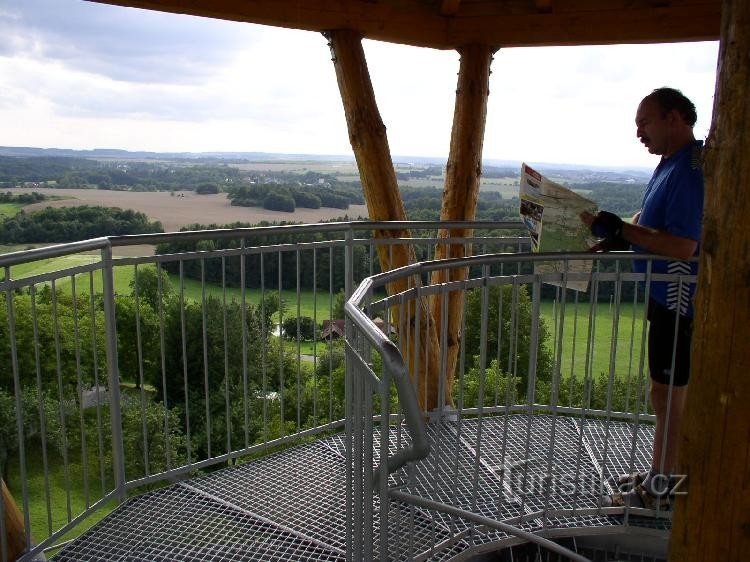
x=461, y=192
x=367, y=134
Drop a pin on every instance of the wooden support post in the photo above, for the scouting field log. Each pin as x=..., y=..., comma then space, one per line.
x=369, y=142
x=712, y=521
x=462, y=190
x=14, y=528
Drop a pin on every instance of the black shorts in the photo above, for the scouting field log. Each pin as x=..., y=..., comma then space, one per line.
x=661, y=343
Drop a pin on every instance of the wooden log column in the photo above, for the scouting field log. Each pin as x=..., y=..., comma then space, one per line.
x=461, y=191
x=369, y=141
x=712, y=521
x=15, y=536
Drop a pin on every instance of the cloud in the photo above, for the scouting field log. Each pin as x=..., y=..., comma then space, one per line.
x=81, y=75
x=120, y=43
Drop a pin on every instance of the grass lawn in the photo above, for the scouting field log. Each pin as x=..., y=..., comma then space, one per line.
x=575, y=350
x=58, y=501
x=9, y=209
x=314, y=305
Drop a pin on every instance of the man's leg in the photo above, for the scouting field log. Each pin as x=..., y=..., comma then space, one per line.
x=668, y=418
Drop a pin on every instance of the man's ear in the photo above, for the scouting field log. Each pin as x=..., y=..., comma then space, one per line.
x=674, y=117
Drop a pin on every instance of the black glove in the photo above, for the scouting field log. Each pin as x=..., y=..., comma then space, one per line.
x=607, y=225
x=616, y=244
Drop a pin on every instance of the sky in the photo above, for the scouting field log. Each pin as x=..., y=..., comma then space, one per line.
x=75, y=74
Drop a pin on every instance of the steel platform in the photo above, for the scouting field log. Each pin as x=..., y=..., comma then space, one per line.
x=542, y=473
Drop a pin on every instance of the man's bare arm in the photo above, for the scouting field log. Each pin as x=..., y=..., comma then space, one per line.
x=659, y=242
x=652, y=240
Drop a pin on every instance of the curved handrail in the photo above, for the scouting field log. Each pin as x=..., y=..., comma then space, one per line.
x=392, y=358
x=393, y=361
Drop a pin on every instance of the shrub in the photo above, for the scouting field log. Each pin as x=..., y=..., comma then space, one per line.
x=279, y=202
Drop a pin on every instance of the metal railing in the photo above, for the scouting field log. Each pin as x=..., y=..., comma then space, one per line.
x=548, y=406
x=123, y=370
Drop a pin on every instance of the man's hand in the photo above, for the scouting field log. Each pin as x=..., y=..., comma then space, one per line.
x=598, y=224
x=611, y=245
x=604, y=224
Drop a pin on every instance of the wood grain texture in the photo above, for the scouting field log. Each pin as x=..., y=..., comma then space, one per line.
x=460, y=193
x=367, y=134
x=500, y=23
x=712, y=522
x=14, y=527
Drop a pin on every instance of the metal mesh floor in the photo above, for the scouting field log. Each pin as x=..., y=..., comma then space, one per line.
x=292, y=505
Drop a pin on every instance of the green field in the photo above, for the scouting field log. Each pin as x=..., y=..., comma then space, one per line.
x=66, y=487
x=9, y=209
x=310, y=304
x=575, y=350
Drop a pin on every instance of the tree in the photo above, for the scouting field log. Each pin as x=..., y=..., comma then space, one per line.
x=306, y=200
x=279, y=202
x=302, y=328
x=507, y=333
x=207, y=188
x=151, y=285
x=202, y=366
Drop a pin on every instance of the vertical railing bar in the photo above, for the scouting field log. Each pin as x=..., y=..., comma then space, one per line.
x=531, y=377
x=110, y=325
x=265, y=337
x=315, y=337
x=79, y=389
x=144, y=429
x=329, y=343
x=480, y=394
x=281, y=344
x=573, y=376
x=227, y=404
x=461, y=395
x=183, y=332
x=350, y=410
x=41, y=406
x=385, y=438
x=299, y=349
x=204, y=337
x=95, y=365
x=500, y=299
x=61, y=396
x=19, y=418
x=586, y=396
x=670, y=391
x=162, y=357
x=641, y=376
x=511, y=375
x=632, y=346
x=243, y=299
x=614, y=334
x=417, y=336
x=367, y=466
x=556, y=381
x=437, y=450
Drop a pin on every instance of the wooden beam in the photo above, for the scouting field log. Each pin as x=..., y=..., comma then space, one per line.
x=543, y=5
x=449, y=7
x=712, y=522
x=509, y=23
x=694, y=22
x=367, y=135
x=461, y=191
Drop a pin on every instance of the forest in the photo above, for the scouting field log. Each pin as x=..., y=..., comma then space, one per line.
x=71, y=224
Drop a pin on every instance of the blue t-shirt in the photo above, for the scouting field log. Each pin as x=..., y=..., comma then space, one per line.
x=673, y=203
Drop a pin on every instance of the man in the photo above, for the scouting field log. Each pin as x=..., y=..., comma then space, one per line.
x=668, y=224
